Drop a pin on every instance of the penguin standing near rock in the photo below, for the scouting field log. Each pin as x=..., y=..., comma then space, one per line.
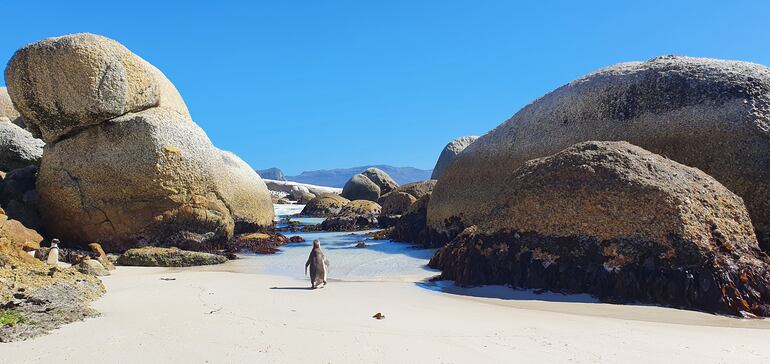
x=53, y=253
x=318, y=265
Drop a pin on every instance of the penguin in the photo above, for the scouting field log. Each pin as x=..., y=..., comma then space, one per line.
x=318, y=265
x=53, y=253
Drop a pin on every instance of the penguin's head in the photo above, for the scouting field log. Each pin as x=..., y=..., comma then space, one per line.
x=316, y=243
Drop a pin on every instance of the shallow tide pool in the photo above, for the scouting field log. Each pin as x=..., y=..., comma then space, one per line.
x=380, y=260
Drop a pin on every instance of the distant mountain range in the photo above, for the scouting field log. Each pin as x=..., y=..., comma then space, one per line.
x=338, y=176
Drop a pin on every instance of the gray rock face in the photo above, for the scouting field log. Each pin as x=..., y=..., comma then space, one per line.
x=381, y=179
x=448, y=154
x=361, y=187
x=63, y=84
x=18, y=148
x=301, y=194
x=705, y=113
x=125, y=165
x=7, y=110
x=272, y=173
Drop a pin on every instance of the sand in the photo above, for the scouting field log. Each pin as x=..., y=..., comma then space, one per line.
x=214, y=315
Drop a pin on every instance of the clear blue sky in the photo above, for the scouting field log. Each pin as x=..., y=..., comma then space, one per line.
x=320, y=84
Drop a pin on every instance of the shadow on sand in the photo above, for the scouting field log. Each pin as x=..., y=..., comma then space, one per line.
x=294, y=288
x=506, y=293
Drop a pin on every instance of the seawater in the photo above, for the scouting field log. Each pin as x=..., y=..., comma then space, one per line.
x=381, y=260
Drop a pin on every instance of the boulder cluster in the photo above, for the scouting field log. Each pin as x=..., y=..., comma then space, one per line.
x=368, y=185
x=641, y=182
x=123, y=163
x=378, y=209
x=97, y=145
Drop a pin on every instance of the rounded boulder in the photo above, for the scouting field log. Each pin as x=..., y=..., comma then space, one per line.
x=360, y=187
x=705, y=113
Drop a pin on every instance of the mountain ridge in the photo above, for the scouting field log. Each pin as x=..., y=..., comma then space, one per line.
x=336, y=177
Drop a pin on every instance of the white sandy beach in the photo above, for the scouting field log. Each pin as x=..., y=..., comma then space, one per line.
x=216, y=316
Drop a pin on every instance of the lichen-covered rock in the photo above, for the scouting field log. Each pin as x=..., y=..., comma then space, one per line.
x=619, y=222
x=361, y=207
x=167, y=257
x=125, y=165
x=325, y=205
x=396, y=203
x=41, y=298
x=356, y=215
x=63, y=84
x=17, y=235
x=448, y=154
x=705, y=113
x=381, y=179
x=360, y=187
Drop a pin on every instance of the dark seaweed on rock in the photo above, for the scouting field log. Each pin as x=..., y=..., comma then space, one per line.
x=618, y=270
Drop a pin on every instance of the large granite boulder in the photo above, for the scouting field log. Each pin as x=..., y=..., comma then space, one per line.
x=705, y=113
x=325, y=205
x=360, y=187
x=449, y=153
x=63, y=84
x=124, y=164
x=381, y=179
x=619, y=222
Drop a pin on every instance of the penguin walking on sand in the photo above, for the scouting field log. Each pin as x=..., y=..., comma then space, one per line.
x=318, y=265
